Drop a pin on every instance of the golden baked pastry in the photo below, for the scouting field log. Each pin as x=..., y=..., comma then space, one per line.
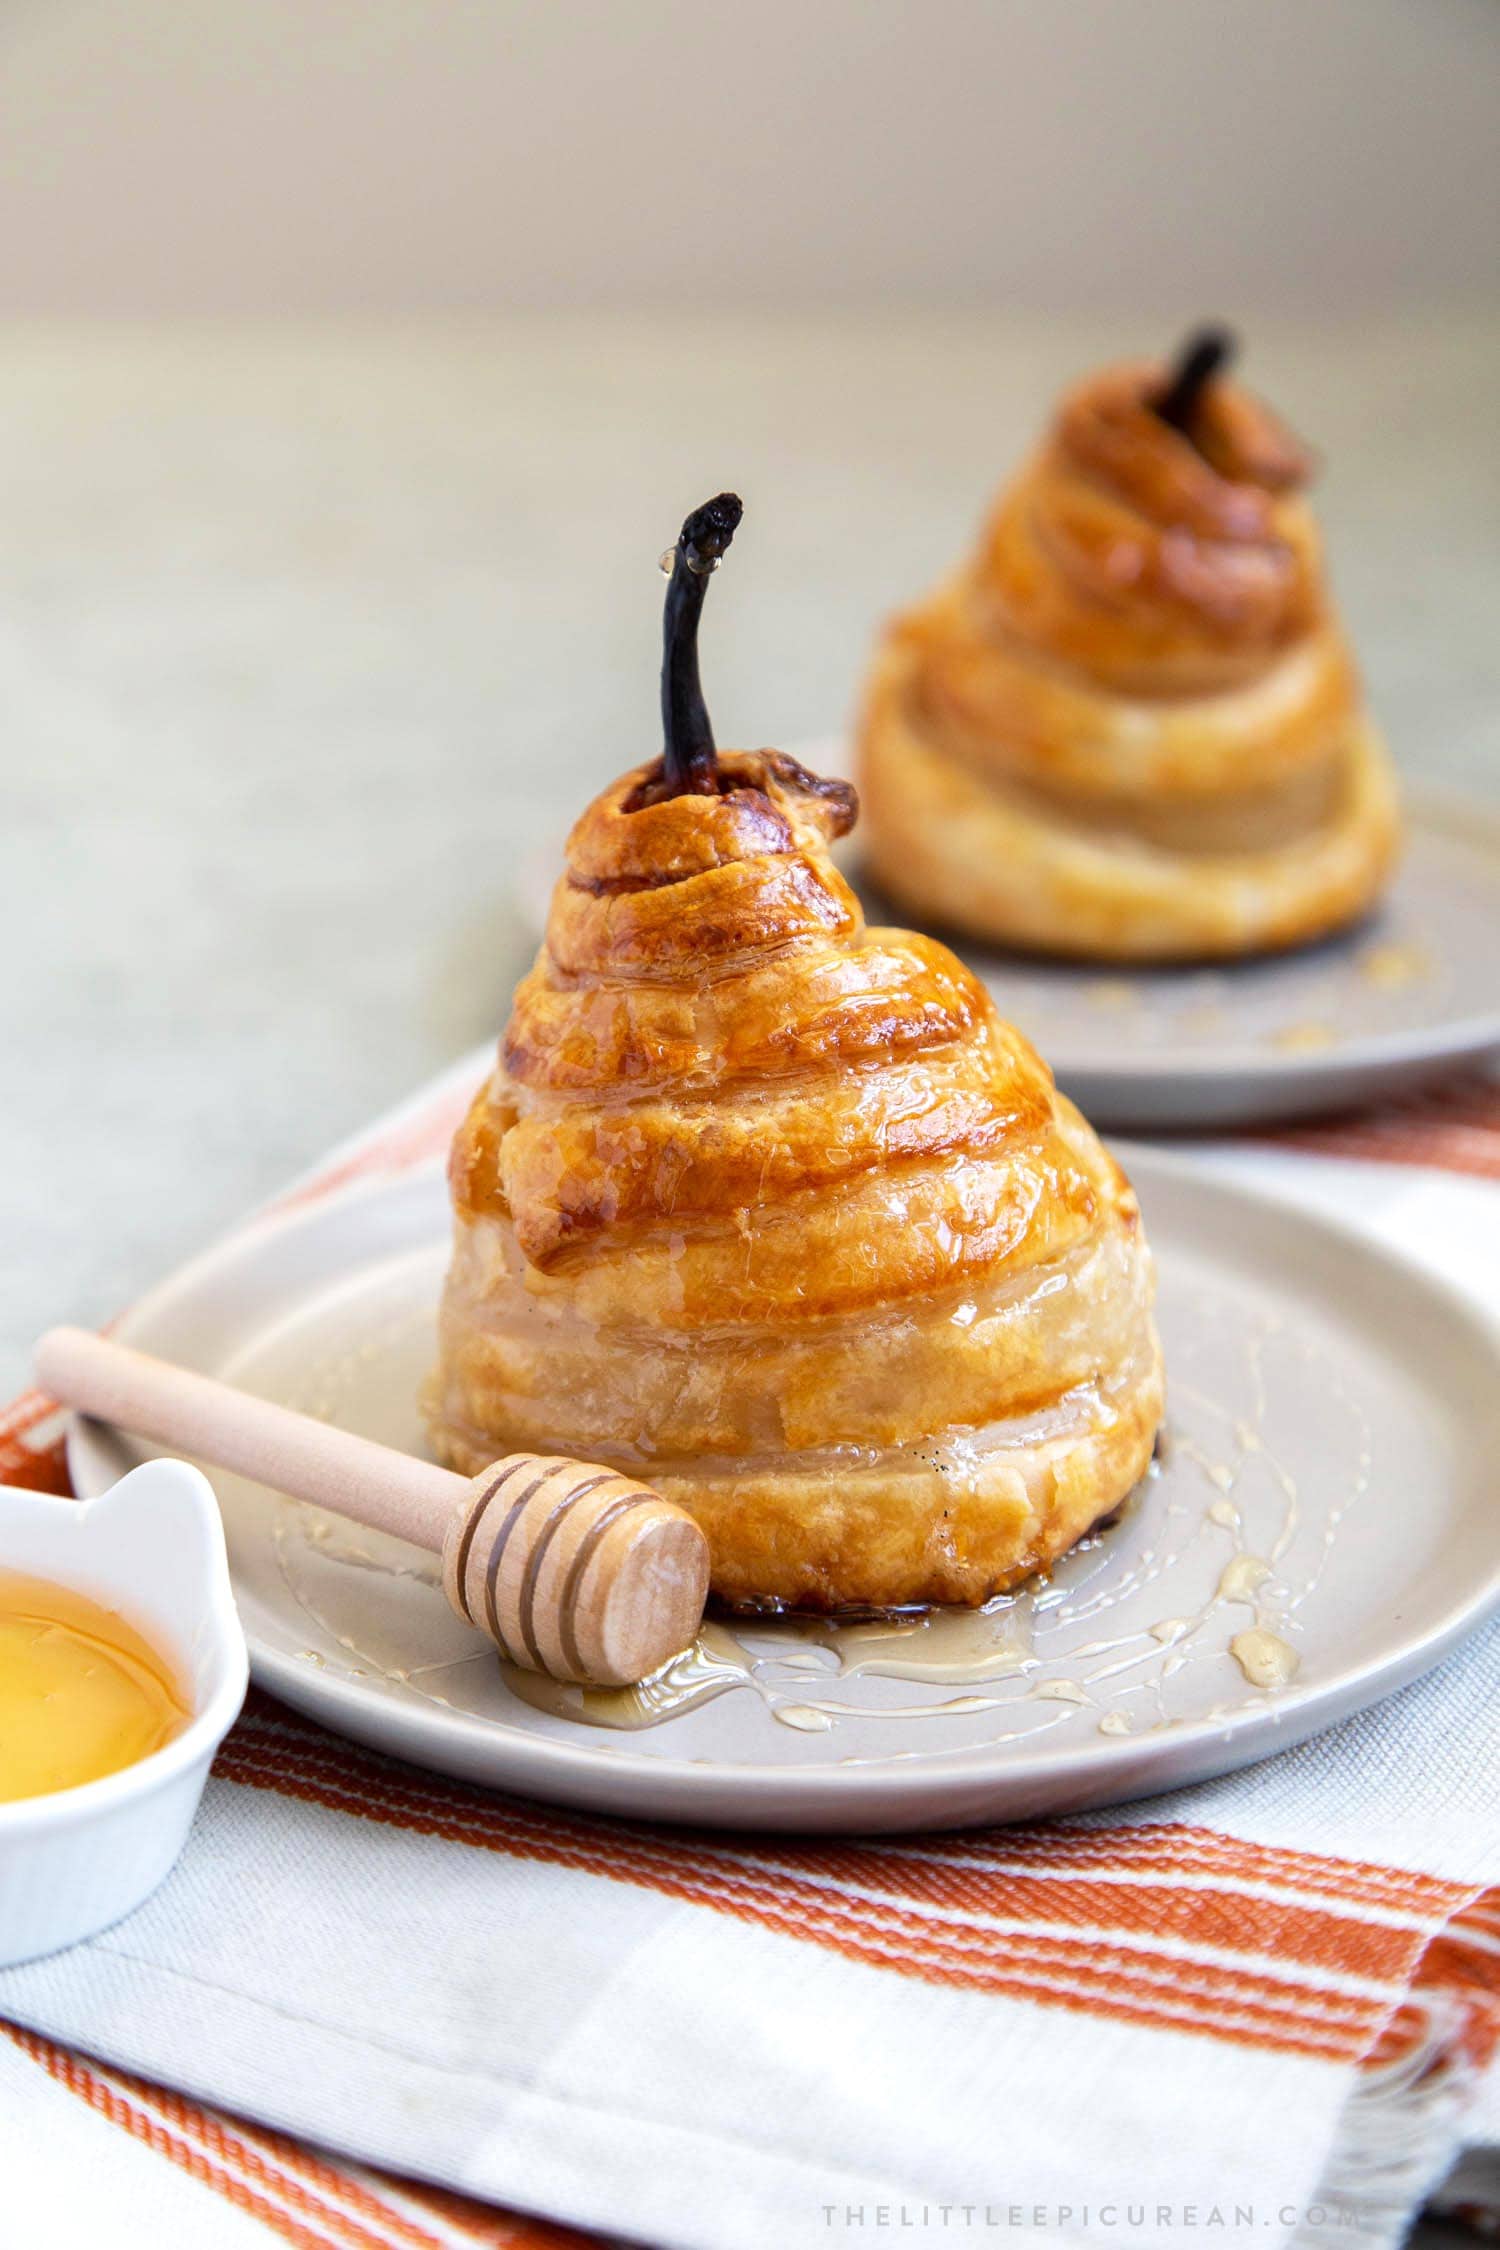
x=1130, y=727
x=772, y=1209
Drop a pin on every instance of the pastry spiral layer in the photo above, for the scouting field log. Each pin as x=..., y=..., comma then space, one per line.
x=771, y=1209
x=1130, y=727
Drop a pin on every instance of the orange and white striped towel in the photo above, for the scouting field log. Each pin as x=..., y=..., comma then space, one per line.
x=1263, y=2010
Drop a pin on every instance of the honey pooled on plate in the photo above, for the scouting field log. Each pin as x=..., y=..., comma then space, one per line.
x=81, y=1692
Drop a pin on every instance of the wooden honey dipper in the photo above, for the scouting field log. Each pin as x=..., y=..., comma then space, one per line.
x=570, y=1569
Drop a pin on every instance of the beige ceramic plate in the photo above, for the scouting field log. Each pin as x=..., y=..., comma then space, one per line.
x=1325, y=1489
x=1410, y=995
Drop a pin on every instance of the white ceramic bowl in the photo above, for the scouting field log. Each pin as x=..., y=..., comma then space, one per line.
x=152, y=1547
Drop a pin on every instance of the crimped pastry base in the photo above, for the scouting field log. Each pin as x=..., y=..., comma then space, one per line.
x=955, y=1522
x=954, y=846
x=938, y=1449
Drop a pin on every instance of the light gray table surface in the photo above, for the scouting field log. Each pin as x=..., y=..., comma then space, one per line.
x=307, y=636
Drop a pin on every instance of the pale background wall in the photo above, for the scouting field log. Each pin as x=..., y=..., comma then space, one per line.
x=1324, y=156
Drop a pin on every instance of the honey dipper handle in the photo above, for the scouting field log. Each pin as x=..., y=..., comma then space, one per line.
x=291, y=1452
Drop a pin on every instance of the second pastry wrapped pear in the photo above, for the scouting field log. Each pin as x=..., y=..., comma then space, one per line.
x=1130, y=727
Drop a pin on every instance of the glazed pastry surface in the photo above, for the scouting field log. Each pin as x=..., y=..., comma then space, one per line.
x=773, y=1210
x=1130, y=727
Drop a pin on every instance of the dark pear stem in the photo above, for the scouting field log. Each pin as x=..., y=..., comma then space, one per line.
x=689, y=766
x=1205, y=354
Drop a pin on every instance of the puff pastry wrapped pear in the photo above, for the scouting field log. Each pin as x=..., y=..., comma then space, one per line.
x=772, y=1209
x=1130, y=727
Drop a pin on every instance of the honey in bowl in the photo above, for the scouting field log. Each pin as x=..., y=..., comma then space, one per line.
x=82, y=1693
